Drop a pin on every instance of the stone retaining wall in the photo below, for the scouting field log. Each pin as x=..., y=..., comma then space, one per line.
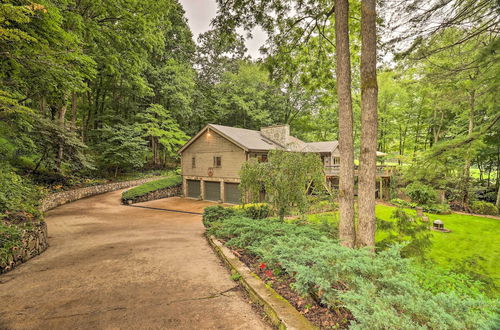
x=161, y=193
x=63, y=197
x=34, y=242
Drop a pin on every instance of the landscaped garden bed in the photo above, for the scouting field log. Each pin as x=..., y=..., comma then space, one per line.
x=165, y=187
x=338, y=287
x=313, y=310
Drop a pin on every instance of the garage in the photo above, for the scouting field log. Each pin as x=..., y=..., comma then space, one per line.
x=232, y=193
x=212, y=191
x=193, y=188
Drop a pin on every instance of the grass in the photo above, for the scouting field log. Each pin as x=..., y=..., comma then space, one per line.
x=145, y=188
x=470, y=236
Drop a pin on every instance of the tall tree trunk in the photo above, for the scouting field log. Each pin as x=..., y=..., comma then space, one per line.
x=498, y=178
x=466, y=173
x=368, y=153
x=347, y=232
x=60, y=153
x=43, y=107
x=74, y=100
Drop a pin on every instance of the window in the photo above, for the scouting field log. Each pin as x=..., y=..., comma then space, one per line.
x=217, y=161
x=336, y=160
x=262, y=158
x=193, y=162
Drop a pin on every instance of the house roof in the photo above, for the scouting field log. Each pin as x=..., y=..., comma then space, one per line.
x=326, y=146
x=246, y=139
x=251, y=140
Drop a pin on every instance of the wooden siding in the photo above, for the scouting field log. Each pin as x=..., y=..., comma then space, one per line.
x=204, y=149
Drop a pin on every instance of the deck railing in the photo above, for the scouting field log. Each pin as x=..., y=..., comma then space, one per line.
x=382, y=170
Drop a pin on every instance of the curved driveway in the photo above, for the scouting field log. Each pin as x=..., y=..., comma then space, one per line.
x=111, y=266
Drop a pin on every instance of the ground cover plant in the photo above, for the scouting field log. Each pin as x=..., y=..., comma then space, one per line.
x=466, y=248
x=381, y=291
x=170, y=181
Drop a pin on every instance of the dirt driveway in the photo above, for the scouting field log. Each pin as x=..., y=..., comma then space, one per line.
x=111, y=266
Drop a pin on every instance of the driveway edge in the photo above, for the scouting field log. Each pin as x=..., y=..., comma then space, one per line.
x=281, y=313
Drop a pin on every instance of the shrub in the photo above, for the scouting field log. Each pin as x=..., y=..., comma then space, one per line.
x=323, y=206
x=403, y=203
x=10, y=236
x=421, y=193
x=431, y=208
x=403, y=229
x=215, y=213
x=255, y=210
x=148, y=187
x=481, y=207
x=17, y=194
x=382, y=291
x=437, y=208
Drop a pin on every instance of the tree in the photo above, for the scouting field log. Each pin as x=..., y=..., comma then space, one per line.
x=347, y=231
x=121, y=148
x=291, y=25
x=286, y=178
x=162, y=131
x=369, y=120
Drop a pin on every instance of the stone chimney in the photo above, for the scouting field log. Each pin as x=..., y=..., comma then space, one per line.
x=278, y=134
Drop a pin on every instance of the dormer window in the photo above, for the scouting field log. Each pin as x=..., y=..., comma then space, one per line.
x=217, y=161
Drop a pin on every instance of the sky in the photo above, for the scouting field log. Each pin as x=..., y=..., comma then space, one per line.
x=199, y=14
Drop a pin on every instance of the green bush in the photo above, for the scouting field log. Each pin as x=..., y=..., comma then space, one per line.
x=403, y=203
x=17, y=194
x=382, y=291
x=215, y=213
x=255, y=210
x=323, y=206
x=481, y=207
x=421, y=193
x=437, y=208
x=10, y=236
x=148, y=187
x=431, y=208
x=405, y=230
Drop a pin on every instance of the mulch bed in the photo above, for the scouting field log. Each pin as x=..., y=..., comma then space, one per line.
x=318, y=314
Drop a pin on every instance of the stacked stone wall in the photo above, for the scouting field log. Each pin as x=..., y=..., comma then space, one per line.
x=33, y=242
x=63, y=197
x=157, y=194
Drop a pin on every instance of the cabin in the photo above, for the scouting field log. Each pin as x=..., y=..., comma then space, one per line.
x=212, y=159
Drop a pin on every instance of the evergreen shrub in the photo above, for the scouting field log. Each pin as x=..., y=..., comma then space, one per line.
x=403, y=203
x=255, y=210
x=481, y=207
x=382, y=291
x=437, y=208
x=421, y=193
x=215, y=213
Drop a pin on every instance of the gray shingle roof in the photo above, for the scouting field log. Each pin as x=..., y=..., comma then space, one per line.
x=255, y=141
x=326, y=146
x=250, y=139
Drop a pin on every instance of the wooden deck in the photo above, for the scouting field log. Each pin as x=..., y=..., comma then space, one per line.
x=382, y=170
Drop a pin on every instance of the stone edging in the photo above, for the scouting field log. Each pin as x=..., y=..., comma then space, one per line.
x=57, y=199
x=34, y=241
x=157, y=194
x=281, y=313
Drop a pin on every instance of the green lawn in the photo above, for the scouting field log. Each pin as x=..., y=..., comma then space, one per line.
x=470, y=235
x=171, y=180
